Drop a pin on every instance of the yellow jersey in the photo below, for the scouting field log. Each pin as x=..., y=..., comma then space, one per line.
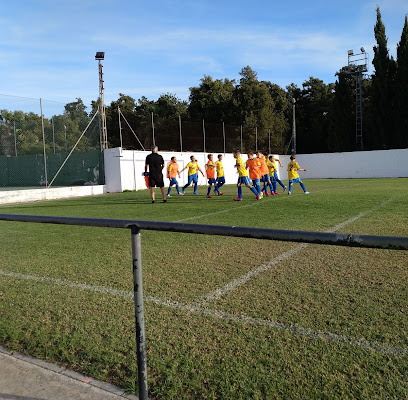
x=293, y=166
x=192, y=167
x=242, y=171
x=220, y=169
x=272, y=167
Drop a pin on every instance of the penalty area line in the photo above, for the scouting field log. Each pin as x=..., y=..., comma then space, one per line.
x=218, y=293
x=241, y=319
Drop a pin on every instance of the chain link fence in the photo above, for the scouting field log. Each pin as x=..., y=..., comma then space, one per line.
x=46, y=142
x=179, y=135
x=36, y=138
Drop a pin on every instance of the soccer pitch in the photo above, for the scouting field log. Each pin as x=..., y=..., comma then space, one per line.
x=226, y=318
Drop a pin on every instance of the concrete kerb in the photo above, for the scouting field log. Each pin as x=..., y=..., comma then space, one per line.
x=61, y=377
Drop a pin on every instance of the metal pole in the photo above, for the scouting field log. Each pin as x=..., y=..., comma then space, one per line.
x=294, y=127
x=181, y=137
x=53, y=133
x=65, y=133
x=204, y=134
x=102, y=108
x=139, y=312
x=269, y=135
x=223, y=133
x=120, y=129
x=43, y=134
x=256, y=138
x=241, y=139
x=15, y=138
x=154, y=142
x=281, y=143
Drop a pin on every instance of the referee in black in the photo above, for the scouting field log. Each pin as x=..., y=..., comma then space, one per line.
x=155, y=164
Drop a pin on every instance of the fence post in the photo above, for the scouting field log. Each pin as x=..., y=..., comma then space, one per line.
x=120, y=130
x=223, y=134
x=43, y=136
x=241, y=140
x=139, y=312
x=154, y=141
x=204, y=134
x=181, y=137
x=15, y=138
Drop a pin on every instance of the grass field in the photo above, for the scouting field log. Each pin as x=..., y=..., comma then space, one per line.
x=226, y=318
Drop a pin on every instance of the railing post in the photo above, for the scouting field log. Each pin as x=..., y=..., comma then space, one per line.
x=139, y=312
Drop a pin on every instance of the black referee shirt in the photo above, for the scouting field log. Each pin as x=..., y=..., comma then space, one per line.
x=155, y=162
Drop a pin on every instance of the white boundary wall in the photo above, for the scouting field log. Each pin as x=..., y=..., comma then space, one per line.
x=28, y=195
x=124, y=168
x=358, y=164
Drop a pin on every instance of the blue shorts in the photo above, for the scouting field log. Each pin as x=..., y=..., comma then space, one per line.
x=192, y=178
x=221, y=180
x=173, y=181
x=244, y=180
x=265, y=178
x=297, y=180
x=255, y=182
x=212, y=181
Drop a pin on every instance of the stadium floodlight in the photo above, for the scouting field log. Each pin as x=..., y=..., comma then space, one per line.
x=350, y=52
x=100, y=55
x=362, y=50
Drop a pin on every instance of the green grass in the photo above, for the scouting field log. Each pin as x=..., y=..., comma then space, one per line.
x=327, y=322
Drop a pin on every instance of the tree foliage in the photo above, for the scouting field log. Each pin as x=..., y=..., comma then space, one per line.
x=223, y=108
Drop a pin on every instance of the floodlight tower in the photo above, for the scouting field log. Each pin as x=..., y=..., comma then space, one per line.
x=100, y=55
x=357, y=66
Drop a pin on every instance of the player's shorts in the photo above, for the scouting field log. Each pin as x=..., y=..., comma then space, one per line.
x=255, y=182
x=265, y=178
x=221, y=180
x=212, y=181
x=192, y=178
x=244, y=180
x=156, y=179
x=173, y=181
x=296, y=180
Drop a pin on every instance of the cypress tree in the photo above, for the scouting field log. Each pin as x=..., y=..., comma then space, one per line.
x=381, y=91
x=401, y=90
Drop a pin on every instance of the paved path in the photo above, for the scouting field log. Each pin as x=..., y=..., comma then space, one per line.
x=27, y=378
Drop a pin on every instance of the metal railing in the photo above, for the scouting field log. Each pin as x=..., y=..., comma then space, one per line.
x=338, y=239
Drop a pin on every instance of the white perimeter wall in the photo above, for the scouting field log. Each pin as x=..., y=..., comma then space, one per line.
x=124, y=168
x=28, y=195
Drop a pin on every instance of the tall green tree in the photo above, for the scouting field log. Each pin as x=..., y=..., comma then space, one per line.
x=255, y=107
x=382, y=101
x=342, y=135
x=401, y=90
x=313, y=109
x=127, y=105
x=212, y=100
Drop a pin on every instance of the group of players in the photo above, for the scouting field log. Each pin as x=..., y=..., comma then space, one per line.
x=257, y=170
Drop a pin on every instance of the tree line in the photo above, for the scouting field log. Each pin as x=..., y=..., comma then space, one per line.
x=263, y=111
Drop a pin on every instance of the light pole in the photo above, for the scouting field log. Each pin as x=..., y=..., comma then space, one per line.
x=294, y=127
x=357, y=66
x=100, y=55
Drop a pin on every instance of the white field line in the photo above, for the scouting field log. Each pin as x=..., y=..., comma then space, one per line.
x=255, y=203
x=218, y=314
x=216, y=294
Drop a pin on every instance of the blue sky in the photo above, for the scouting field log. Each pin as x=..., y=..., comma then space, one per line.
x=48, y=47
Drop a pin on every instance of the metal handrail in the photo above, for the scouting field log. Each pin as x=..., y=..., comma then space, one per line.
x=338, y=239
